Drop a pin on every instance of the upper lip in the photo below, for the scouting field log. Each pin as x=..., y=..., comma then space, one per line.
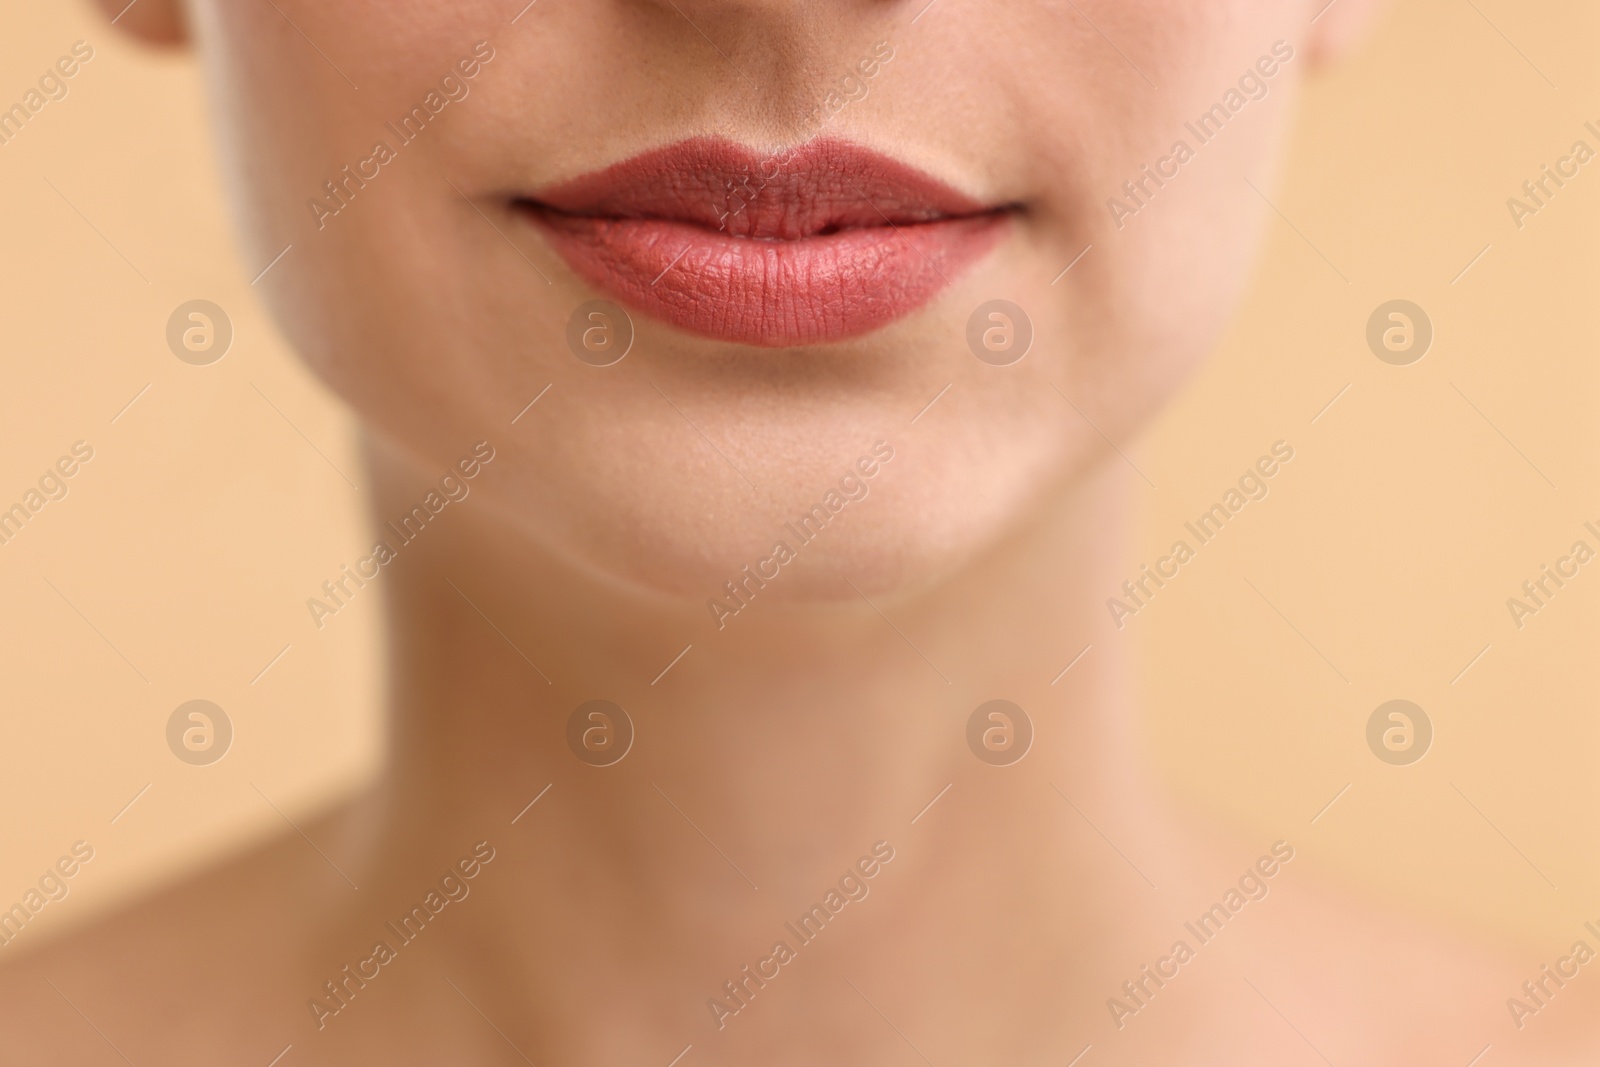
x=816, y=189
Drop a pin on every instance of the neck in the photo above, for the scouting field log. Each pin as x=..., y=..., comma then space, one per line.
x=766, y=761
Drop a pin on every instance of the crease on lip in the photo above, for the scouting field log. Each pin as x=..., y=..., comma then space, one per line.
x=556, y=214
x=816, y=189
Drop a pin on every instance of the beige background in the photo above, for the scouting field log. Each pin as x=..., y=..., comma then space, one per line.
x=218, y=501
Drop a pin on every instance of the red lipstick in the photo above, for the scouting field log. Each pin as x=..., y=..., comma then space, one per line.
x=819, y=243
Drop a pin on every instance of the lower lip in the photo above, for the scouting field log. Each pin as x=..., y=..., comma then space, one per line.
x=772, y=293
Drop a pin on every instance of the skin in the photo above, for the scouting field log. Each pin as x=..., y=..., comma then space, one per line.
x=807, y=728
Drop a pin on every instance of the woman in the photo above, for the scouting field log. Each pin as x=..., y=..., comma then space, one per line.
x=740, y=379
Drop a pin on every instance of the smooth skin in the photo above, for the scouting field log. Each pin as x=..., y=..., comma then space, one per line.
x=806, y=728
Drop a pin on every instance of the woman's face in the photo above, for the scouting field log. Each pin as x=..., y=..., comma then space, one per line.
x=807, y=210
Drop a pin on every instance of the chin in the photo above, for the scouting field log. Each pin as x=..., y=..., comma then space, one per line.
x=807, y=517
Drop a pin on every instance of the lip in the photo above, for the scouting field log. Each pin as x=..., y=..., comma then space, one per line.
x=819, y=243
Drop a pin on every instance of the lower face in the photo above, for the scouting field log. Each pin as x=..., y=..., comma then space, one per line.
x=805, y=213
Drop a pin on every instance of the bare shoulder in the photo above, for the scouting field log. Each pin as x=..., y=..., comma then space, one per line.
x=1369, y=984
x=212, y=963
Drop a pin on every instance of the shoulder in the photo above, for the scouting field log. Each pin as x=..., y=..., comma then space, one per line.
x=1292, y=966
x=1380, y=987
x=212, y=964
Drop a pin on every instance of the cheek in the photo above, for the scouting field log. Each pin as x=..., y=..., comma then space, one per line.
x=290, y=115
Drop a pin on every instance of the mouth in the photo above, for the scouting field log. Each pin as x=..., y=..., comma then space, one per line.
x=820, y=243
